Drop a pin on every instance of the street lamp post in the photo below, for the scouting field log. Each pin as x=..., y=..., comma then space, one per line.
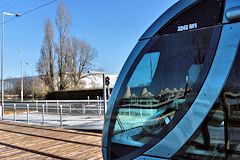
x=32, y=80
x=2, y=87
x=21, y=52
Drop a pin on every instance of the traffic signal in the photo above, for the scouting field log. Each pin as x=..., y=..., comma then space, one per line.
x=107, y=80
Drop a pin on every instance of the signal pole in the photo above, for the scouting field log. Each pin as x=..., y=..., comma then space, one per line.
x=107, y=82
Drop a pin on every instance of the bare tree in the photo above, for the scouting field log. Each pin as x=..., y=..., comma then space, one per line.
x=82, y=58
x=45, y=66
x=63, y=22
x=74, y=57
x=65, y=69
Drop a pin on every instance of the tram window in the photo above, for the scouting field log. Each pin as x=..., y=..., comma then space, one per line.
x=147, y=67
x=218, y=136
x=150, y=103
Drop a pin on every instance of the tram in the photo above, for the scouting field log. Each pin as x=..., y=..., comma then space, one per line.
x=178, y=93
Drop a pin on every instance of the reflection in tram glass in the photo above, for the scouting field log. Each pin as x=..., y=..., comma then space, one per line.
x=171, y=72
x=218, y=135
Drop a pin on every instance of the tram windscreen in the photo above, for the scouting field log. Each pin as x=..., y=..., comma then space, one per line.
x=169, y=73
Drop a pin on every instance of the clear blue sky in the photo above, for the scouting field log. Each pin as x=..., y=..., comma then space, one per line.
x=112, y=27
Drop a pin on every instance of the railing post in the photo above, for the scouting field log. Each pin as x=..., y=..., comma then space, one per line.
x=99, y=113
x=36, y=105
x=70, y=109
x=99, y=107
x=46, y=106
x=14, y=108
x=27, y=113
x=43, y=118
x=3, y=111
x=60, y=115
x=88, y=99
x=98, y=100
x=84, y=109
x=57, y=107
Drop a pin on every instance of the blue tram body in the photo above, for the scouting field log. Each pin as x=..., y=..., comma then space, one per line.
x=178, y=94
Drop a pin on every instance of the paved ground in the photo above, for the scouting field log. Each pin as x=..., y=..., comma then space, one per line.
x=22, y=141
x=68, y=121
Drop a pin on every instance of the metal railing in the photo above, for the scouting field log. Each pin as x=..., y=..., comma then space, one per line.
x=55, y=111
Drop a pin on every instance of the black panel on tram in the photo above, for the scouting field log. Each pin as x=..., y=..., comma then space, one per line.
x=204, y=14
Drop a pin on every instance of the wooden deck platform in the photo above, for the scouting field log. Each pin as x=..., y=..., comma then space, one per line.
x=22, y=141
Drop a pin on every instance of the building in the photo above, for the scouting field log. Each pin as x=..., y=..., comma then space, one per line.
x=33, y=85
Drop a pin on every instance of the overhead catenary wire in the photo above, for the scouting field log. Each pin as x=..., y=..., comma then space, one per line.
x=41, y=6
x=31, y=10
x=18, y=3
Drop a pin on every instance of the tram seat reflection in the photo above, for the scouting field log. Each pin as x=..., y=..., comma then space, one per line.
x=163, y=108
